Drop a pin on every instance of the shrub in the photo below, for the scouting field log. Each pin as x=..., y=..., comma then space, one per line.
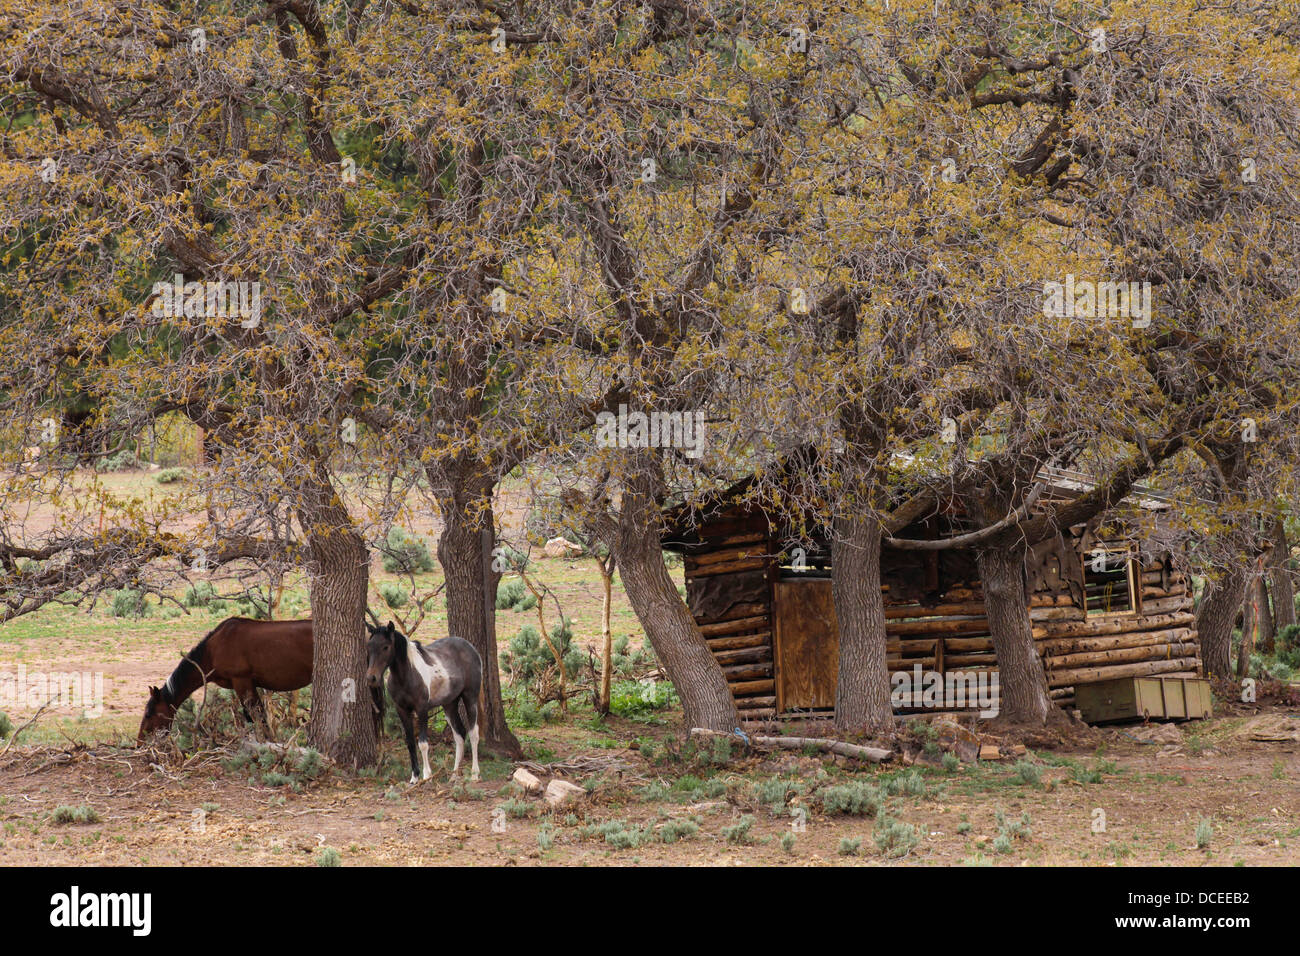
x=627, y=662
x=1288, y=646
x=787, y=842
x=910, y=783
x=738, y=832
x=1289, y=637
x=122, y=461
x=328, y=856
x=393, y=595
x=849, y=846
x=1027, y=773
x=516, y=809
x=894, y=838
x=529, y=659
x=1010, y=830
x=513, y=595
x=404, y=552
x=200, y=595
x=617, y=834
x=675, y=830
x=169, y=475
x=774, y=793
x=81, y=814
x=508, y=559
x=6, y=725
x=633, y=700
x=858, y=798
x=545, y=837
x=1204, y=833
x=1084, y=775
x=128, y=603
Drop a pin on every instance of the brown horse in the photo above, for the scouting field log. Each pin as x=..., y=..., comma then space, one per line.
x=241, y=655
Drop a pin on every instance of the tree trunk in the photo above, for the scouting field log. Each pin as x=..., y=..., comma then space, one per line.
x=1280, y=581
x=465, y=553
x=681, y=648
x=1214, y=620
x=607, y=649
x=1022, y=683
x=342, y=724
x=1264, y=631
x=862, y=701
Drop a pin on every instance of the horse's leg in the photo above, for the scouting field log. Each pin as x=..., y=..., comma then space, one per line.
x=261, y=715
x=471, y=712
x=457, y=732
x=268, y=708
x=247, y=694
x=408, y=728
x=424, y=740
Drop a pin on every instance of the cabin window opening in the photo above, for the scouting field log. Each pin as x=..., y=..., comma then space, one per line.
x=803, y=562
x=1110, y=578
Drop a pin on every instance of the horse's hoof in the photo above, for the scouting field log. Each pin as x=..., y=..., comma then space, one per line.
x=412, y=780
x=475, y=777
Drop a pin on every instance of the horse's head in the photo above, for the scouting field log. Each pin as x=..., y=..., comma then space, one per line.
x=380, y=651
x=158, y=715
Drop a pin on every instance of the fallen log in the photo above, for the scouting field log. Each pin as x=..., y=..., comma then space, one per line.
x=873, y=754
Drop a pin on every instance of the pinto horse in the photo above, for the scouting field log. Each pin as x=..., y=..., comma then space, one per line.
x=238, y=654
x=421, y=678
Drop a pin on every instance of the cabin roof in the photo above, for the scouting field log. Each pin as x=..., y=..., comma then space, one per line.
x=683, y=520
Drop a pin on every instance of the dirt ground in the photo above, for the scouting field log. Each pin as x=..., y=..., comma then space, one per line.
x=73, y=790
x=1152, y=795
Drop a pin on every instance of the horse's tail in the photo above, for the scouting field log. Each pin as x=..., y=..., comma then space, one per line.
x=377, y=708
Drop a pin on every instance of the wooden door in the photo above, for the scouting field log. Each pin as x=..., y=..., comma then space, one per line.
x=807, y=644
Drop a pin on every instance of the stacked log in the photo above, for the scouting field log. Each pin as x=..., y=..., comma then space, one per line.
x=741, y=638
x=1160, y=638
x=1076, y=646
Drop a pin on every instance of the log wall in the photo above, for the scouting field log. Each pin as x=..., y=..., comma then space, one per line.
x=1158, y=637
x=729, y=572
x=935, y=614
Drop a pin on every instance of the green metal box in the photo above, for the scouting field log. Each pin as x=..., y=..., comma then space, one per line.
x=1142, y=698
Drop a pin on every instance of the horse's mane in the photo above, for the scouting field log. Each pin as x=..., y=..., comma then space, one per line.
x=192, y=659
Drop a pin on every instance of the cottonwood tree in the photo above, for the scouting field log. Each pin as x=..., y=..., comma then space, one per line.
x=1077, y=179
x=206, y=148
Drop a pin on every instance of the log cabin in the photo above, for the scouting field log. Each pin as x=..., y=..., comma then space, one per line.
x=1101, y=607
